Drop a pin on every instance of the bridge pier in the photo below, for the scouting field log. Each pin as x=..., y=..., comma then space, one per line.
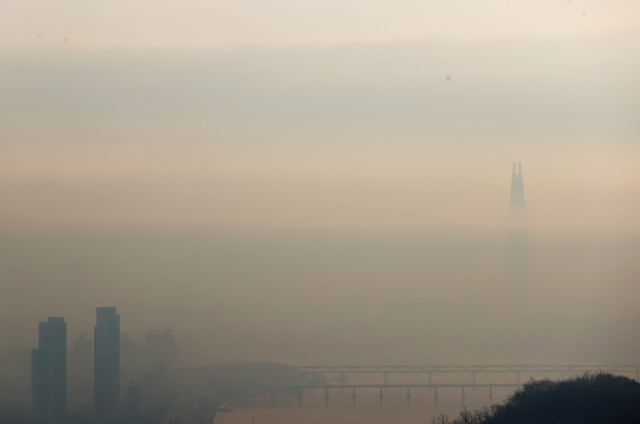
x=326, y=396
x=518, y=377
x=385, y=377
x=299, y=397
x=272, y=396
x=561, y=375
x=353, y=396
x=408, y=396
x=473, y=374
x=381, y=396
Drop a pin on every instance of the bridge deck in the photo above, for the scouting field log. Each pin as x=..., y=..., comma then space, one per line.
x=385, y=386
x=408, y=369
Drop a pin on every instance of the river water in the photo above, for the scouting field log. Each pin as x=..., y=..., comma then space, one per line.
x=367, y=410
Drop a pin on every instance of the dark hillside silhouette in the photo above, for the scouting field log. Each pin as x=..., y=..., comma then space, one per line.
x=588, y=399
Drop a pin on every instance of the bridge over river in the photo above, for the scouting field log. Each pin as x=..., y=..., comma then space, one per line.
x=298, y=390
x=274, y=379
x=472, y=370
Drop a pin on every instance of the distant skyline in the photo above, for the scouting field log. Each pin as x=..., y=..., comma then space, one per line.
x=316, y=182
x=254, y=164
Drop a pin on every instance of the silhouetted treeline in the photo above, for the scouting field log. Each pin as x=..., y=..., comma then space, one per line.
x=589, y=399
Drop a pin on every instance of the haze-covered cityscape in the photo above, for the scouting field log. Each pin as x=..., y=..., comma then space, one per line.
x=319, y=212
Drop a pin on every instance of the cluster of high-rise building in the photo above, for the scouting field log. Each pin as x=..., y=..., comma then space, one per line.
x=100, y=360
x=49, y=368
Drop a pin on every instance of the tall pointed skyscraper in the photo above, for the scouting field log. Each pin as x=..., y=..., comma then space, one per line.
x=518, y=250
x=517, y=206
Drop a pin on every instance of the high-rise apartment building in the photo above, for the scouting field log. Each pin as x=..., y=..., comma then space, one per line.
x=106, y=351
x=49, y=373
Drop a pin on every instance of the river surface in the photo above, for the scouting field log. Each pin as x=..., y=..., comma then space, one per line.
x=367, y=410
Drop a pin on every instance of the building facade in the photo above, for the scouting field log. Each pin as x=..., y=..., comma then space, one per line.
x=49, y=373
x=106, y=350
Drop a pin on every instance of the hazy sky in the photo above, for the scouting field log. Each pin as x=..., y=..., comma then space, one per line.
x=318, y=114
x=344, y=117
x=205, y=23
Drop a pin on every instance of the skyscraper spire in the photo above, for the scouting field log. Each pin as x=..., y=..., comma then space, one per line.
x=518, y=250
x=517, y=207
